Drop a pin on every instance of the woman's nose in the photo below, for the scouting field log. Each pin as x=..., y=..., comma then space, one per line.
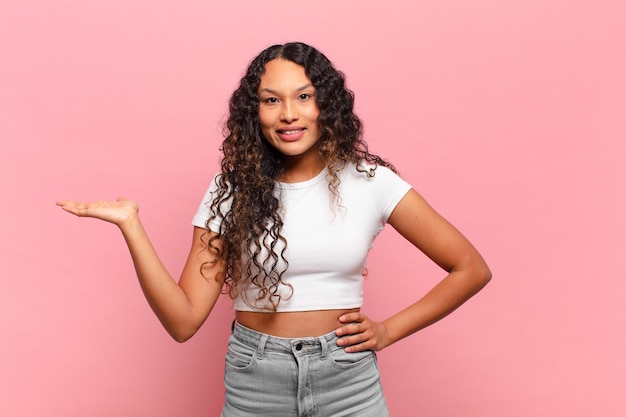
x=289, y=113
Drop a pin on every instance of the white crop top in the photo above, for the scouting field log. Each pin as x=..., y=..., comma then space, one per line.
x=327, y=245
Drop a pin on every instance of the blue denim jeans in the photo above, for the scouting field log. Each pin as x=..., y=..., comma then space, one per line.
x=269, y=376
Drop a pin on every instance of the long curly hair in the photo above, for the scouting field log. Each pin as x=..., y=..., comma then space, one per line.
x=252, y=246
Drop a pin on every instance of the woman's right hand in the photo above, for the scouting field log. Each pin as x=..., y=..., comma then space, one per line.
x=116, y=212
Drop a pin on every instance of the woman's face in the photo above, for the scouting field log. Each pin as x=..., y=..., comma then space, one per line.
x=288, y=111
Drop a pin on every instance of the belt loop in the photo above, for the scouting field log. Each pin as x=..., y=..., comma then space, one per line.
x=324, y=344
x=261, y=348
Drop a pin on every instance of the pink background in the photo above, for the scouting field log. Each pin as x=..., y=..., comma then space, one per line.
x=509, y=116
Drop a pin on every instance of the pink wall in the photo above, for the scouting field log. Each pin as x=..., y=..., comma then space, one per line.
x=509, y=116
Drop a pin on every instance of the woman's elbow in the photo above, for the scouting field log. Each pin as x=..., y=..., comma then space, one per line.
x=483, y=276
x=181, y=333
x=476, y=273
x=181, y=337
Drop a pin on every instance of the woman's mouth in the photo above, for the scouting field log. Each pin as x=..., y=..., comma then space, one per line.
x=290, y=134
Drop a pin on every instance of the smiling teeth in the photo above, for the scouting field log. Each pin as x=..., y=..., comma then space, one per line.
x=291, y=132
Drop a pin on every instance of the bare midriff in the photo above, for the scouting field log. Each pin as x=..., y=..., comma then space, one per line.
x=293, y=324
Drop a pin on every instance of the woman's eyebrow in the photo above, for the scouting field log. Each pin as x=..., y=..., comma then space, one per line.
x=269, y=90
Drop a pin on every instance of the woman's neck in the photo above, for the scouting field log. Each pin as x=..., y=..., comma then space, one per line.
x=297, y=169
x=300, y=174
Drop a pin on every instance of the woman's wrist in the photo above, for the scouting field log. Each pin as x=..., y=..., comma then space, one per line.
x=130, y=224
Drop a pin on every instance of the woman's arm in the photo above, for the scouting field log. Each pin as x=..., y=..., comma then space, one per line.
x=181, y=307
x=467, y=271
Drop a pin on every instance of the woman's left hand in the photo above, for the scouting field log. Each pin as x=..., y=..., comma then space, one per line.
x=361, y=333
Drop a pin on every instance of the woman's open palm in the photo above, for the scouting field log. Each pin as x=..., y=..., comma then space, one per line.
x=116, y=212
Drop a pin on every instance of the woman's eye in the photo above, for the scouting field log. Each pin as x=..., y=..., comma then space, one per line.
x=304, y=96
x=271, y=100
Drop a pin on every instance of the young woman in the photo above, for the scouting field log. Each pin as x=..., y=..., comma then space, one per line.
x=284, y=229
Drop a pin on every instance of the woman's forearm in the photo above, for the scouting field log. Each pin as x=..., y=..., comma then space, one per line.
x=441, y=300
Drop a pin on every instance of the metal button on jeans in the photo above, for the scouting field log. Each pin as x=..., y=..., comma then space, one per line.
x=299, y=346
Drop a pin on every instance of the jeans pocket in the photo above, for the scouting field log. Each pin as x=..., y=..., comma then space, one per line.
x=238, y=355
x=343, y=359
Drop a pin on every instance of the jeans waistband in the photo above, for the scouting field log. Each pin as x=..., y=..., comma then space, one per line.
x=298, y=346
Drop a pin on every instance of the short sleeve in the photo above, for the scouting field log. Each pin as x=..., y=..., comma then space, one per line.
x=204, y=211
x=389, y=189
